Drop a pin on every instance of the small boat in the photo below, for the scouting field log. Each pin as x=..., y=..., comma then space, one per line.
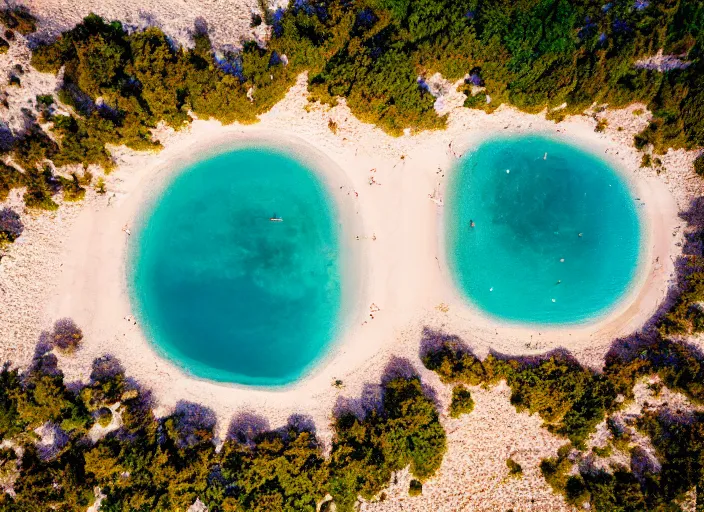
x=275, y=219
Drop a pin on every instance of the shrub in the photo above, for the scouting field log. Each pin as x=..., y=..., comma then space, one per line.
x=104, y=416
x=686, y=315
x=461, y=403
x=9, y=178
x=555, y=469
x=19, y=19
x=699, y=165
x=72, y=189
x=41, y=186
x=405, y=431
x=415, y=488
x=67, y=336
x=4, y=46
x=514, y=468
x=10, y=226
x=45, y=99
x=453, y=363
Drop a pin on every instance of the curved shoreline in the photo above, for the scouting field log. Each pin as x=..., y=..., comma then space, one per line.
x=346, y=217
x=644, y=294
x=402, y=270
x=615, y=314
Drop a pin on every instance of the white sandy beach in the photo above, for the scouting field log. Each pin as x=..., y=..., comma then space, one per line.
x=72, y=264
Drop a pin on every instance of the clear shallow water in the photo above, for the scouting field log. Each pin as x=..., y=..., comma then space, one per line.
x=224, y=292
x=529, y=219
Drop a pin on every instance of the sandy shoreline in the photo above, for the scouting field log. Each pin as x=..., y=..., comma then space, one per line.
x=153, y=181
x=644, y=294
x=402, y=271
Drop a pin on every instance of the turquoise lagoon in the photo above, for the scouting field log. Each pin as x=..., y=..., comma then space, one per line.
x=556, y=236
x=223, y=291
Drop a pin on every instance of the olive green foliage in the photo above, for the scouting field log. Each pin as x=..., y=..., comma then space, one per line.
x=514, y=468
x=67, y=336
x=679, y=444
x=686, y=315
x=41, y=185
x=123, y=84
x=19, y=19
x=104, y=416
x=699, y=165
x=33, y=148
x=9, y=178
x=9, y=384
x=678, y=439
x=415, y=488
x=11, y=226
x=532, y=54
x=405, y=431
x=45, y=99
x=165, y=464
x=680, y=367
x=4, y=46
x=284, y=471
x=569, y=398
x=453, y=364
x=573, y=400
x=39, y=179
x=462, y=402
x=556, y=470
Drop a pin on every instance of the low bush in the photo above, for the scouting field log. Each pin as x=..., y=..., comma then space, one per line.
x=11, y=226
x=415, y=488
x=462, y=402
x=67, y=336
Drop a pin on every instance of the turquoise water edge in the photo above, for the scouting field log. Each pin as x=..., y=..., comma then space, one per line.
x=223, y=291
x=556, y=236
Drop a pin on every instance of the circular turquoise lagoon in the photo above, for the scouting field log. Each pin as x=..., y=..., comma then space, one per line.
x=556, y=236
x=223, y=288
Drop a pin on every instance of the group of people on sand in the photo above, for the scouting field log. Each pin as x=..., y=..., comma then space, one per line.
x=373, y=309
x=356, y=194
x=453, y=152
x=372, y=179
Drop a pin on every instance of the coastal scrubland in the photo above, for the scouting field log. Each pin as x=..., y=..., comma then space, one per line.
x=556, y=56
x=62, y=440
x=573, y=400
x=141, y=462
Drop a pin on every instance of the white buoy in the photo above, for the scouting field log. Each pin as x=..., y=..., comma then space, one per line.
x=562, y=260
x=491, y=289
x=553, y=300
x=508, y=171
